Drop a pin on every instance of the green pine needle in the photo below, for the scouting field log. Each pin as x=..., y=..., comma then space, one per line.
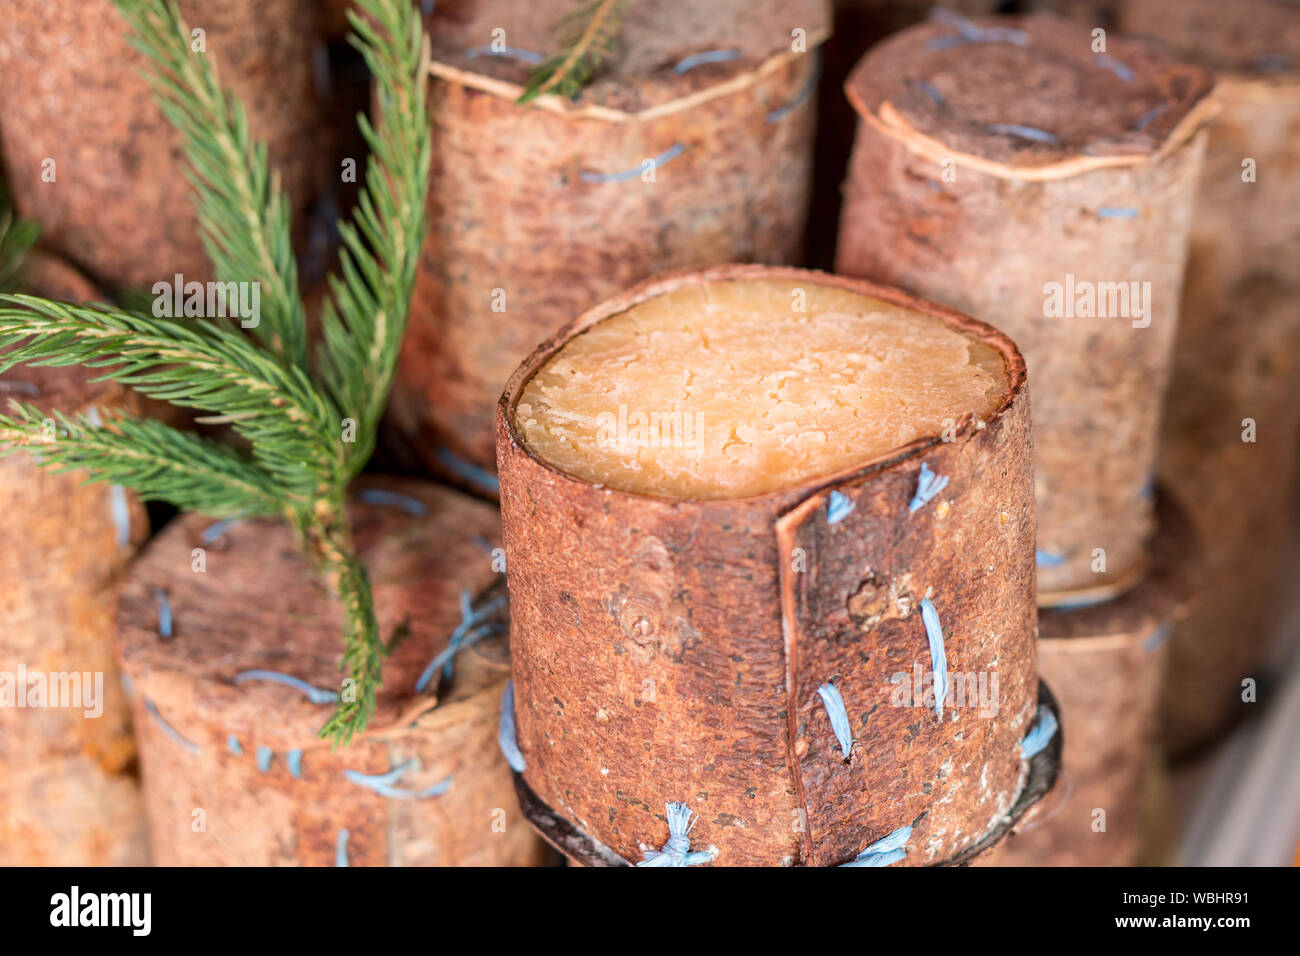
x=586, y=38
x=292, y=417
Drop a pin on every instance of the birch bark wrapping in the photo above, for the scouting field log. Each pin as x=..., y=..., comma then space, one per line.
x=671, y=650
x=234, y=772
x=692, y=146
x=1060, y=216
x=90, y=156
x=1230, y=443
x=68, y=794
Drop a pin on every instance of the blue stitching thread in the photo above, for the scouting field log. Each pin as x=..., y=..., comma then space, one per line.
x=232, y=744
x=472, y=474
x=929, y=91
x=1024, y=132
x=927, y=486
x=968, y=32
x=838, y=508
x=1040, y=736
x=711, y=56
x=805, y=91
x=264, y=756
x=294, y=759
x=27, y=388
x=121, y=514
x=382, y=783
x=466, y=633
x=1046, y=559
x=1117, y=212
x=172, y=732
x=886, y=851
x=938, y=659
x=1146, y=118
x=671, y=153
x=677, y=849
x=164, y=613
x=834, y=704
x=393, y=499
x=514, y=53
x=214, y=532
x=316, y=695
x=341, y=848
x=1158, y=637
x=506, y=731
x=1116, y=67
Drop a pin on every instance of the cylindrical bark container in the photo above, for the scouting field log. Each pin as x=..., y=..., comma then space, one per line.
x=232, y=646
x=693, y=146
x=859, y=24
x=1105, y=664
x=68, y=794
x=89, y=154
x=1007, y=170
x=1232, y=430
x=686, y=648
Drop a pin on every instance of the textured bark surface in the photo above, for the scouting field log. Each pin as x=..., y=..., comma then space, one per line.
x=1106, y=204
x=257, y=606
x=859, y=24
x=121, y=205
x=1237, y=355
x=68, y=795
x=521, y=239
x=667, y=650
x=1106, y=664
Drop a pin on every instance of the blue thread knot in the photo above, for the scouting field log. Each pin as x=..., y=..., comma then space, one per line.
x=886, y=851
x=928, y=485
x=677, y=850
x=835, y=710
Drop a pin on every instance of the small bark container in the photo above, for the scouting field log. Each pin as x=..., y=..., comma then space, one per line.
x=68, y=794
x=1105, y=664
x=1237, y=355
x=671, y=650
x=116, y=199
x=234, y=772
x=693, y=146
x=1008, y=171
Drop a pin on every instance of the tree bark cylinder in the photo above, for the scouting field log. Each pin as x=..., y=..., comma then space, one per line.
x=68, y=794
x=90, y=156
x=1229, y=446
x=234, y=772
x=692, y=146
x=672, y=649
x=1106, y=665
x=1008, y=171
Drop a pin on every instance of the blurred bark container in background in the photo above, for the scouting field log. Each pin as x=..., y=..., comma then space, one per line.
x=1005, y=169
x=90, y=156
x=1105, y=664
x=68, y=794
x=228, y=706
x=1231, y=439
x=693, y=146
x=671, y=649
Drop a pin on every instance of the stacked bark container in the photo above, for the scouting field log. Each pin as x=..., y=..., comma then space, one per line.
x=1010, y=180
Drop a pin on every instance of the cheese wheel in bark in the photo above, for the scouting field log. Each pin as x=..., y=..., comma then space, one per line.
x=1232, y=429
x=1007, y=170
x=692, y=146
x=68, y=794
x=1106, y=666
x=228, y=706
x=91, y=157
x=682, y=607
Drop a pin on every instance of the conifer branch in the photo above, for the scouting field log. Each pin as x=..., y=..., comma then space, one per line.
x=17, y=236
x=586, y=38
x=243, y=212
x=155, y=460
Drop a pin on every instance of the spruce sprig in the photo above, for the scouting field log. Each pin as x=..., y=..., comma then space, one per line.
x=585, y=39
x=292, y=416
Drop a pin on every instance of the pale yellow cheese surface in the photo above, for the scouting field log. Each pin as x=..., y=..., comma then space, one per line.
x=728, y=390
